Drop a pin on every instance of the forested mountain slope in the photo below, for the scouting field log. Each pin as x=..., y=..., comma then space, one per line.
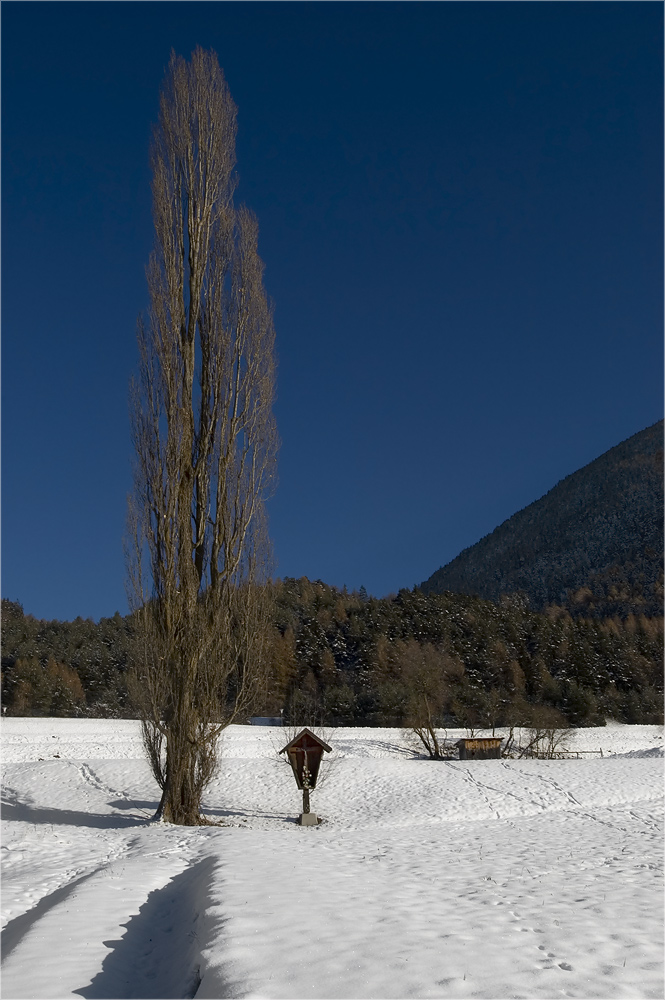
x=594, y=543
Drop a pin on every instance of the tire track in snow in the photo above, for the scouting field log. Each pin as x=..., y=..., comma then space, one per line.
x=159, y=955
x=62, y=882
x=57, y=877
x=15, y=930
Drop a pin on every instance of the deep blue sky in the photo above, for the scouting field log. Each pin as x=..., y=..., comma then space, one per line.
x=460, y=208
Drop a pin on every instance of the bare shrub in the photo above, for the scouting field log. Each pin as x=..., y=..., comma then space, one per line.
x=544, y=734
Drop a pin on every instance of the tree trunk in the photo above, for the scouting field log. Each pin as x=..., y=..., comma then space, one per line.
x=183, y=802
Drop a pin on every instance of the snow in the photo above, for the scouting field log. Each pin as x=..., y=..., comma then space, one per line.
x=446, y=879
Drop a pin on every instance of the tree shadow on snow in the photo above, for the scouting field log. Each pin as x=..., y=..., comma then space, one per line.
x=158, y=957
x=135, y=804
x=13, y=810
x=243, y=814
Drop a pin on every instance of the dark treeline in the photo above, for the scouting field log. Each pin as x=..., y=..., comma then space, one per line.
x=345, y=659
x=64, y=668
x=342, y=658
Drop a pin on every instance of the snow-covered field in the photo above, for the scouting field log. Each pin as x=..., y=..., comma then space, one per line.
x=495, y=878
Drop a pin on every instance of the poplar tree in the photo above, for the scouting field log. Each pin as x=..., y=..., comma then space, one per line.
x=205, y=445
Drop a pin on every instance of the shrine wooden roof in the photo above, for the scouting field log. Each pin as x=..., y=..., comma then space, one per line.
x=308, y=735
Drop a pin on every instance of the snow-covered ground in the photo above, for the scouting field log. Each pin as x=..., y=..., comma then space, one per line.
x=495, y=878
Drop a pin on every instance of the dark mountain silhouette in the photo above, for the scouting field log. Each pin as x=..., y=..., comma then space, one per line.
x=594, y=543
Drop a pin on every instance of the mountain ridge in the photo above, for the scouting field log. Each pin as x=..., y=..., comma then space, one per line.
x=593, y=542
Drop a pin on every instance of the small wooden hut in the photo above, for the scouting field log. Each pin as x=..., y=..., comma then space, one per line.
x=479, y=748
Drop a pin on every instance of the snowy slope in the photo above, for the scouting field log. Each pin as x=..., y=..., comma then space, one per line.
x=453, y=879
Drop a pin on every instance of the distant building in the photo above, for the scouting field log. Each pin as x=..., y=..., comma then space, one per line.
x=266, y=720
x=482, y=748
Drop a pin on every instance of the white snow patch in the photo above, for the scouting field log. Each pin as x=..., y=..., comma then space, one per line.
x=450, y=879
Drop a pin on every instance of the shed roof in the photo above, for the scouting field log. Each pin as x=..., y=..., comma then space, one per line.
x=480, y=739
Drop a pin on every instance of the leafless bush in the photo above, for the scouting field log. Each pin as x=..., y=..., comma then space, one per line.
x=545, y=739
x=545, y=742
x=433, y=740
